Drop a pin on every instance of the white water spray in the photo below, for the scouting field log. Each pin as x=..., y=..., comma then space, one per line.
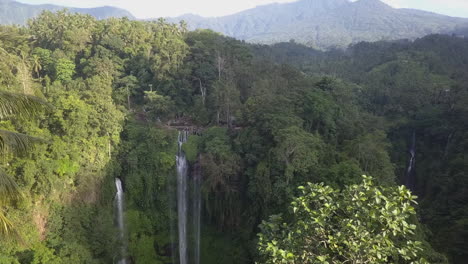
x=119, y=198
x=188, y=213
x=182, y=203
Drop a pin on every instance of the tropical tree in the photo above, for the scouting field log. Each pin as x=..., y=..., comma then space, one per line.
x=363, y=223
x=12, y=143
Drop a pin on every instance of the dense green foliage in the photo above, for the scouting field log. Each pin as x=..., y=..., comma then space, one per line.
x=17, y=106
x=361, y=224
x=66, y=215
x=418, y=87
x=119, y=88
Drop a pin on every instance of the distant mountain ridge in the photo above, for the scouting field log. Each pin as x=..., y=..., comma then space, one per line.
x=321, y=24
x=12, y=12
x=326, y=23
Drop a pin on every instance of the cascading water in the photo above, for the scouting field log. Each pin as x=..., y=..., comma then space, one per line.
x=410, y=177
x=189, y=252
x=182, y=169
x=119, y=198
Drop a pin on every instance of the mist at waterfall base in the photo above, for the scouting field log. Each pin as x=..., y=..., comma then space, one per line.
x=188, y=207
x=119, y=199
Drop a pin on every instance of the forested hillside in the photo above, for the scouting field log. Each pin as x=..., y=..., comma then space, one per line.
x=278, y=138
x=420, y=89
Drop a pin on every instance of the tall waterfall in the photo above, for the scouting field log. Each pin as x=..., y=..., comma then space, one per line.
x=182, y=203
x=410, y=177
x=119, y=198
x=189, y=229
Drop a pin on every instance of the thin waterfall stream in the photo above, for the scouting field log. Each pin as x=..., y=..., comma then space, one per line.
x=410, y=177
x=189, y=249
x=188, y=206
x=119, y=198
x=182, y=203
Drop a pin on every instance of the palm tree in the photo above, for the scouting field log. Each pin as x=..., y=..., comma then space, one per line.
x=36, y=65
x=12, y=143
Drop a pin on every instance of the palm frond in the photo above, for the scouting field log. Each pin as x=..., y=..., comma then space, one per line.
x=16, y=143
x=6, y=226
x=9, y=190
x=20, y=105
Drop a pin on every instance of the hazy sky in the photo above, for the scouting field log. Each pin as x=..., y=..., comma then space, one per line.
x=158, y=8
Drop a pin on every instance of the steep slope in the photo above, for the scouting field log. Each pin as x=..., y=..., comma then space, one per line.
x=325, y=24
x=367, y=20
x=263, y=19
x=12, y=12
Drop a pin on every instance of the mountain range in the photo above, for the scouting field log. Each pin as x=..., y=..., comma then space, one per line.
x=12, y=12
x=320, y=24
x=327, y=23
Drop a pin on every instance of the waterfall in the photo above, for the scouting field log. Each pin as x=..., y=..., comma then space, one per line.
x=189, y=252
x=182, y=203
x=119, y=198
x=410, y=177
